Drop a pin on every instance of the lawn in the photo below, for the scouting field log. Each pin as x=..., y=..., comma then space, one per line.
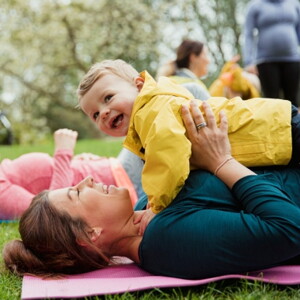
x=10, y=285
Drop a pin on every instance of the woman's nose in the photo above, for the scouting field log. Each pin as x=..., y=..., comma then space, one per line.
x=88, y=181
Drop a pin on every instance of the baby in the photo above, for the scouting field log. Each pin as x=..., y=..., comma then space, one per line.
x=122, y=102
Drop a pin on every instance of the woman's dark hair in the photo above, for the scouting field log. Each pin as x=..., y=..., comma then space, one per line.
x=49, y=243
x=185, y=49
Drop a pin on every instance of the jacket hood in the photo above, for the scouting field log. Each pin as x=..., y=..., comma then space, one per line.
x=164, y=86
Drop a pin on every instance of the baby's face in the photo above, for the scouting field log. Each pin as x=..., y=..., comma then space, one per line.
x=109, y=104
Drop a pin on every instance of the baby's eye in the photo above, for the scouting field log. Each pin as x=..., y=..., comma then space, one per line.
x=95, y=115
x=107, y=98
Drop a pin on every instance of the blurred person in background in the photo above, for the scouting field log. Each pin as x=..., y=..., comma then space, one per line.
x=190, y=65
x=24, y=177
x=271, y=46
x=233, y=81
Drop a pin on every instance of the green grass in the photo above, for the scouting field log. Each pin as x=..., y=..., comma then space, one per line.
x=104, y=147
x=10, y=285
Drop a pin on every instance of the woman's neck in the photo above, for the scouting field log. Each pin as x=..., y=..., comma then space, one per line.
x=188, y=72
x=128, y=241
x=128, y=247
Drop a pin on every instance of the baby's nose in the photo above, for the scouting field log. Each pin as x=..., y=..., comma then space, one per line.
x=104, y=114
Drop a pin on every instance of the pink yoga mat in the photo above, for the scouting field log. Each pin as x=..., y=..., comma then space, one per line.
x=129, y=277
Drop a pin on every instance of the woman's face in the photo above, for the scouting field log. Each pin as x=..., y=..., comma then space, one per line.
x=199, y=63
x=96, y=203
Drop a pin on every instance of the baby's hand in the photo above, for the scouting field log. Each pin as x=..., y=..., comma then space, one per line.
x=65, y=139
x=143, y=217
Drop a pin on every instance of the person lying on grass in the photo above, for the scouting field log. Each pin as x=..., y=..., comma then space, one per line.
x=24, y=177
x=227, y=219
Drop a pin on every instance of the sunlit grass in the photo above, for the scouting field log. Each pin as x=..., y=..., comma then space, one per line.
x=104, y=147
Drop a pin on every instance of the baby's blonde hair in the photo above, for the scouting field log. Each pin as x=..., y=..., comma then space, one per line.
x=117, y=67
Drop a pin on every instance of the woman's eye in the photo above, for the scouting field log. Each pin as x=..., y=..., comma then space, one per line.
x=95, y=115
x=107, y=98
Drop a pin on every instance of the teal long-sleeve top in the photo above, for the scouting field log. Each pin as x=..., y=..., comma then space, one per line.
x=209, y=230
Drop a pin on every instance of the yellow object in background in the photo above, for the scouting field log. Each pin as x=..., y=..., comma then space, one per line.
x=234, y=81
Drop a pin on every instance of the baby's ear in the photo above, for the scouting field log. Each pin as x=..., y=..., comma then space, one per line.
x=139, y=82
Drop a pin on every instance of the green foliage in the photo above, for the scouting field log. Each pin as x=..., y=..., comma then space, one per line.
x=59, y=117
x=48, y=45
x=217, y=23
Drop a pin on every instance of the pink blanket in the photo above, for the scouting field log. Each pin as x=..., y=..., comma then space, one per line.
x=129, y=277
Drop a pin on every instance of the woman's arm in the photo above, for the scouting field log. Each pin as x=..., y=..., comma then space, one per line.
x=210, y=145
x=249, y=46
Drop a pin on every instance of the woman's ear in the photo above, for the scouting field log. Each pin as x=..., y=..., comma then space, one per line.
x=139, y=82
x=94, y=235
x=192, y=58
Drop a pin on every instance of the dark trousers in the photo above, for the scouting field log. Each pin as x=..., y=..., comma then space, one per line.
x=280, y=77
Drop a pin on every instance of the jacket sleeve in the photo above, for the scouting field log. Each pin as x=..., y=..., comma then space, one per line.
x=62, y=173
x=249, y=46
x=167, y=154
x=298, y=21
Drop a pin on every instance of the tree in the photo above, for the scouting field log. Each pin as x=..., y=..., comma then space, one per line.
x=49, y=45
x=217, y=23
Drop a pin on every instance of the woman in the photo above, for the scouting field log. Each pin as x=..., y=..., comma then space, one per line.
x=271, y=46
x=190, y=65
x=29, y=174
x=230, y=222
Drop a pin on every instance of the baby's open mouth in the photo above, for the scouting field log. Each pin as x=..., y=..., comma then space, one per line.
x=117, y=121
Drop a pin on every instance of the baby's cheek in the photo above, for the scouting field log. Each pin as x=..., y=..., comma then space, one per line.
x=102, y=128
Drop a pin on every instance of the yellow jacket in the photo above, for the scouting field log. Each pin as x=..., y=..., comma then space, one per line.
x=259, y=132
x=232, y=76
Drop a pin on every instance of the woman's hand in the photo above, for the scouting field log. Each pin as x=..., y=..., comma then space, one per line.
x=210, y=144
x=65, y=139
x=143, y=217
x=252, y=69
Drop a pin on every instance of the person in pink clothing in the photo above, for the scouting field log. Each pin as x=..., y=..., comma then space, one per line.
x=24, y=177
